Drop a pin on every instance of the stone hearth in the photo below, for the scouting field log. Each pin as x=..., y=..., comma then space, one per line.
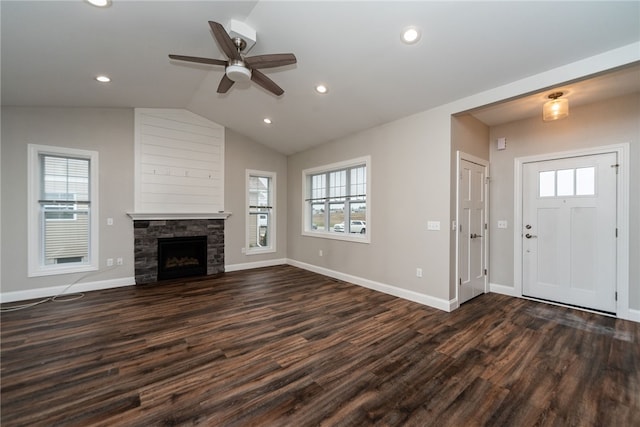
x=146, y=235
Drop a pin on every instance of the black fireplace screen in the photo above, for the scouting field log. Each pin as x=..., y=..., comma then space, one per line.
x=182, y=257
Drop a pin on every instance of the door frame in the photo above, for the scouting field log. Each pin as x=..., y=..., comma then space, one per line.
x=460, y=155
x=622, y=219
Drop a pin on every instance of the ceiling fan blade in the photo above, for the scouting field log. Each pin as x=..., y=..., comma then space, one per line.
x=270, y=61
x=225, y=42
x=199, y=60
x=225, y=84
x=266, y=82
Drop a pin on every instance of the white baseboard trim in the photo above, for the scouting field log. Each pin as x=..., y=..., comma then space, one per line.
x=28, y=294
x=503, y=289
x=632, y=315
x=256, y=264
x=423, y=299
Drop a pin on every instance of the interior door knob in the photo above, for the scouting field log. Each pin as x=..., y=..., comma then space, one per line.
x=530, y=236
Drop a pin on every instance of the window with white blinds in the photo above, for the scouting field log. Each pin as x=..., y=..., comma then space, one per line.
x=62, y=229
x=260, y=212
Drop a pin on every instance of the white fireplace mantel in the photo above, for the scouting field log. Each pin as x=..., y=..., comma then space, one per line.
x=150, y=216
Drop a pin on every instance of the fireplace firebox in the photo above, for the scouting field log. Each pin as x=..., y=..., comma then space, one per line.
x=182, y=257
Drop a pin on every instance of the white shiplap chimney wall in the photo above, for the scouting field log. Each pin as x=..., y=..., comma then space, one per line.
x=179, y=164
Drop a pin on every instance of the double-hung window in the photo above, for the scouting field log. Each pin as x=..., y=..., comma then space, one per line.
x=336, y=200
x=62, y=228
x=261, y=236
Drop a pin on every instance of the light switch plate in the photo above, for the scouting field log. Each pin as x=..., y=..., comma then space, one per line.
x=502, y=224
x=433, y=225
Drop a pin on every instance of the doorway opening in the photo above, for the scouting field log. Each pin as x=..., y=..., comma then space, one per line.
x=472, y=228
x=571, y=229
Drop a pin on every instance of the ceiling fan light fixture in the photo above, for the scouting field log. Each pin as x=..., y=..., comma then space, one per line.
x=99, y=3
x=238, y=73
x=556, y=109
x=410, y=35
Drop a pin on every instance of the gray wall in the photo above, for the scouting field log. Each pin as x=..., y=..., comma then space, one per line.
x=241, y=153
x=106, y=130
x=608, y=122
x=110, y=131
x=410, y=185
x=468, y=135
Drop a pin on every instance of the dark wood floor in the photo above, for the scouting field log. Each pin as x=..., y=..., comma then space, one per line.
x=283, y=346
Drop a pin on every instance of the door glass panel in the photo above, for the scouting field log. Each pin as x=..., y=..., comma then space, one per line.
x=565, y=182
x=547, y=181
x=585, y=181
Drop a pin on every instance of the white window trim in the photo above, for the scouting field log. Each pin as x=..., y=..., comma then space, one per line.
x=34, y=242
x=272, y=241
x=306, y=229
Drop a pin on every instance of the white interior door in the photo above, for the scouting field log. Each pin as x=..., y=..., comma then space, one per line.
x=472, y=232
x=569, y=231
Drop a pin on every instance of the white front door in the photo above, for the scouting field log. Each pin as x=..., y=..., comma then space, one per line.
x=569, y=231
x=472, y=232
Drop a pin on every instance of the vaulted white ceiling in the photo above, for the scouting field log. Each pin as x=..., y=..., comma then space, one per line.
x=51, y=52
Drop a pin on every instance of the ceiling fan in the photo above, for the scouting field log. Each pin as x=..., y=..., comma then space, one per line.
x=238, y=67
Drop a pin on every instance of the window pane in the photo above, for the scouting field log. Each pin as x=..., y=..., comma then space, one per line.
x=586, y=181
x=317, y=216
x=65, y=223
x=358, y=215
x=259, y=191
x=318, y=186
x=338, y=184
x=65, y=178
x=66, y=234
x=337, y=200
x=260, y=220
x=259, y=235
x=547, y=182
x=336, y=217
x=358, y=182
x=565, y=182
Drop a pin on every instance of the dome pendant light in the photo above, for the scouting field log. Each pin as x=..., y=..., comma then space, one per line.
x=557, y=108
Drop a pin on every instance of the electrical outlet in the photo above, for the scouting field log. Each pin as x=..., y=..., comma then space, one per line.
x=320, y=252
x=109, y=262
x=502, y=224
x=119, y=261
x=109, y=221
x=433, y=225
x=418, y=272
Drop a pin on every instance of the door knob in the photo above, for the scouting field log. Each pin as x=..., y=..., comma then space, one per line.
x=528, y=227
x=474, y=235
x=529, y=236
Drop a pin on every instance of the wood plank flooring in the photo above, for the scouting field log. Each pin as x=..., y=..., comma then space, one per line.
x=281, y=346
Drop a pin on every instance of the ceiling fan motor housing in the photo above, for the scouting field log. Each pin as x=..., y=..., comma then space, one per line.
x=238, y=29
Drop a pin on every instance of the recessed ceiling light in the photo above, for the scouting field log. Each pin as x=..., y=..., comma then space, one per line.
x=100, y=3
x=410, y=35
x=321, y=89
x=267, y=120
x=103, y=79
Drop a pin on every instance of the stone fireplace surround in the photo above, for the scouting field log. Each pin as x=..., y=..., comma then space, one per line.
x=147, y=229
